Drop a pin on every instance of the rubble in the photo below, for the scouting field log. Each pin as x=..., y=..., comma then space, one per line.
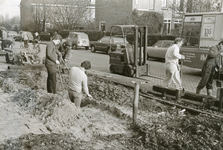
x=104, y=122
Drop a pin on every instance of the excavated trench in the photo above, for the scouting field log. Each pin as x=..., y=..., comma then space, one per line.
x=31, y=118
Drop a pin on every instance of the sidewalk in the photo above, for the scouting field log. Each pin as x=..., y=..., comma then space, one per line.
x=150, y=84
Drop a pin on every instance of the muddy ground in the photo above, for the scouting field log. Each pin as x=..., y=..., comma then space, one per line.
x=31, y=118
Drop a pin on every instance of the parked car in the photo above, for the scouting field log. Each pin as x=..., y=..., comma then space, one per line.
x=158, y=50
x=12, y=33
x=79, y=39
x=104, y=44
x=29, y=35
x=17, y=38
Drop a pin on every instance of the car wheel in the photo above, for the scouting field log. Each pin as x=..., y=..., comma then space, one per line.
x=109, y=50
x=93, y=49
x=112, y=68
x=87, y=48
x=128, y=71
x=74, y=47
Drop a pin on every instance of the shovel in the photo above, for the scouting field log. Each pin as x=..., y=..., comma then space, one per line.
x=218, y=82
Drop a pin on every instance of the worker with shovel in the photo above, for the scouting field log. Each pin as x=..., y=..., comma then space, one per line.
x=78, y=83
x=51, y=63
x=172, y=68
x=211, y=65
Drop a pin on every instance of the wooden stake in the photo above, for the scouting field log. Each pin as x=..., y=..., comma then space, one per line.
x=220, y=93
x=135, y=102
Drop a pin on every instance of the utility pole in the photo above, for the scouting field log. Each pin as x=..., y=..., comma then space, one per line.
x=36, y=19
x=44, y=15
x=173, y=15
x=221, y=5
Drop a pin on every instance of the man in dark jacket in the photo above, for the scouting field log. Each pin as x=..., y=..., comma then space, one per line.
x=51, y=64
x=209, y=68
x=65, y=50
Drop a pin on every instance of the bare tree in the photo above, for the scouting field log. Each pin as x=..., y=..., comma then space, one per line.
x=193, y=6
x=66, y=14
x=153, y=20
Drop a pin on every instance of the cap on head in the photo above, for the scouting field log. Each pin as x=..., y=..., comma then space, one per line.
x=56, y=37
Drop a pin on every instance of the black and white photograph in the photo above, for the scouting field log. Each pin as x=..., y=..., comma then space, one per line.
x=111, y=74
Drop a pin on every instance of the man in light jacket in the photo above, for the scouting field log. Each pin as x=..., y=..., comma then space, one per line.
x=172, y=68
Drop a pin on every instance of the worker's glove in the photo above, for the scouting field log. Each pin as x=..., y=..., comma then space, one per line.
x=182, y=57
x=216, y=69
x=57, y=62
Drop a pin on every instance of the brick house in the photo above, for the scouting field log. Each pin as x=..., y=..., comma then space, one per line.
x=113, y=12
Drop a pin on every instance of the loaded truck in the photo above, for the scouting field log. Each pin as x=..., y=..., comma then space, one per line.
x=200, y=31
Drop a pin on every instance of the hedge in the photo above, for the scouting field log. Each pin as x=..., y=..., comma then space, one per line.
x=95, y=35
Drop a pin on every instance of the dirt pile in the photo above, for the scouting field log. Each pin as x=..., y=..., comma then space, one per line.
x=164, y=127
x=106, y=121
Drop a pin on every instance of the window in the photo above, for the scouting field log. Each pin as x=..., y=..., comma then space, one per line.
x=145, y=4
x=191, y=33
x=167, y=44
x=164, y=3
x=166, y=27
x=104, y=39
x=158, y=44
x=151, y=4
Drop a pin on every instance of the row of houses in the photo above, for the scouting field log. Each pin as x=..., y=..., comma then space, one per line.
x=104, y=12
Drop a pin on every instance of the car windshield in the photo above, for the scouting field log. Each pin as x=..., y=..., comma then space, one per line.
x=158, y=44
x=118, y=40
x=167, y=44
x=83, y=36
x=73, y=36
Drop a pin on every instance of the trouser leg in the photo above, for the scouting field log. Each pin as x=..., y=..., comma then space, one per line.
x=26, y=43
x=164, y=92
x=178, y=94
x=168, y=77
x=206, y=73
x=75, y=97
x=176, y=80
x=51, y=79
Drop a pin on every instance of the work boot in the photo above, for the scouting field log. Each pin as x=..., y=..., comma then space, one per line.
x=198, y=91
x=163, y=92
x=178, y=94
x=209, y=92
x=182, y=92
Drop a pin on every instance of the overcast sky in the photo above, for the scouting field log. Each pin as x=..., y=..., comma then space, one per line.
x=10, y=7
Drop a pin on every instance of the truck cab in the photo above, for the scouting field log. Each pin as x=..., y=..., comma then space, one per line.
x=200, y=32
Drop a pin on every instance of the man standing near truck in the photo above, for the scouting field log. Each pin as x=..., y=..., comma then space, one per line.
x=172, y=68
x=211, y=65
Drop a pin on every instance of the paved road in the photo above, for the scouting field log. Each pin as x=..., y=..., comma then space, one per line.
x=100, y=62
